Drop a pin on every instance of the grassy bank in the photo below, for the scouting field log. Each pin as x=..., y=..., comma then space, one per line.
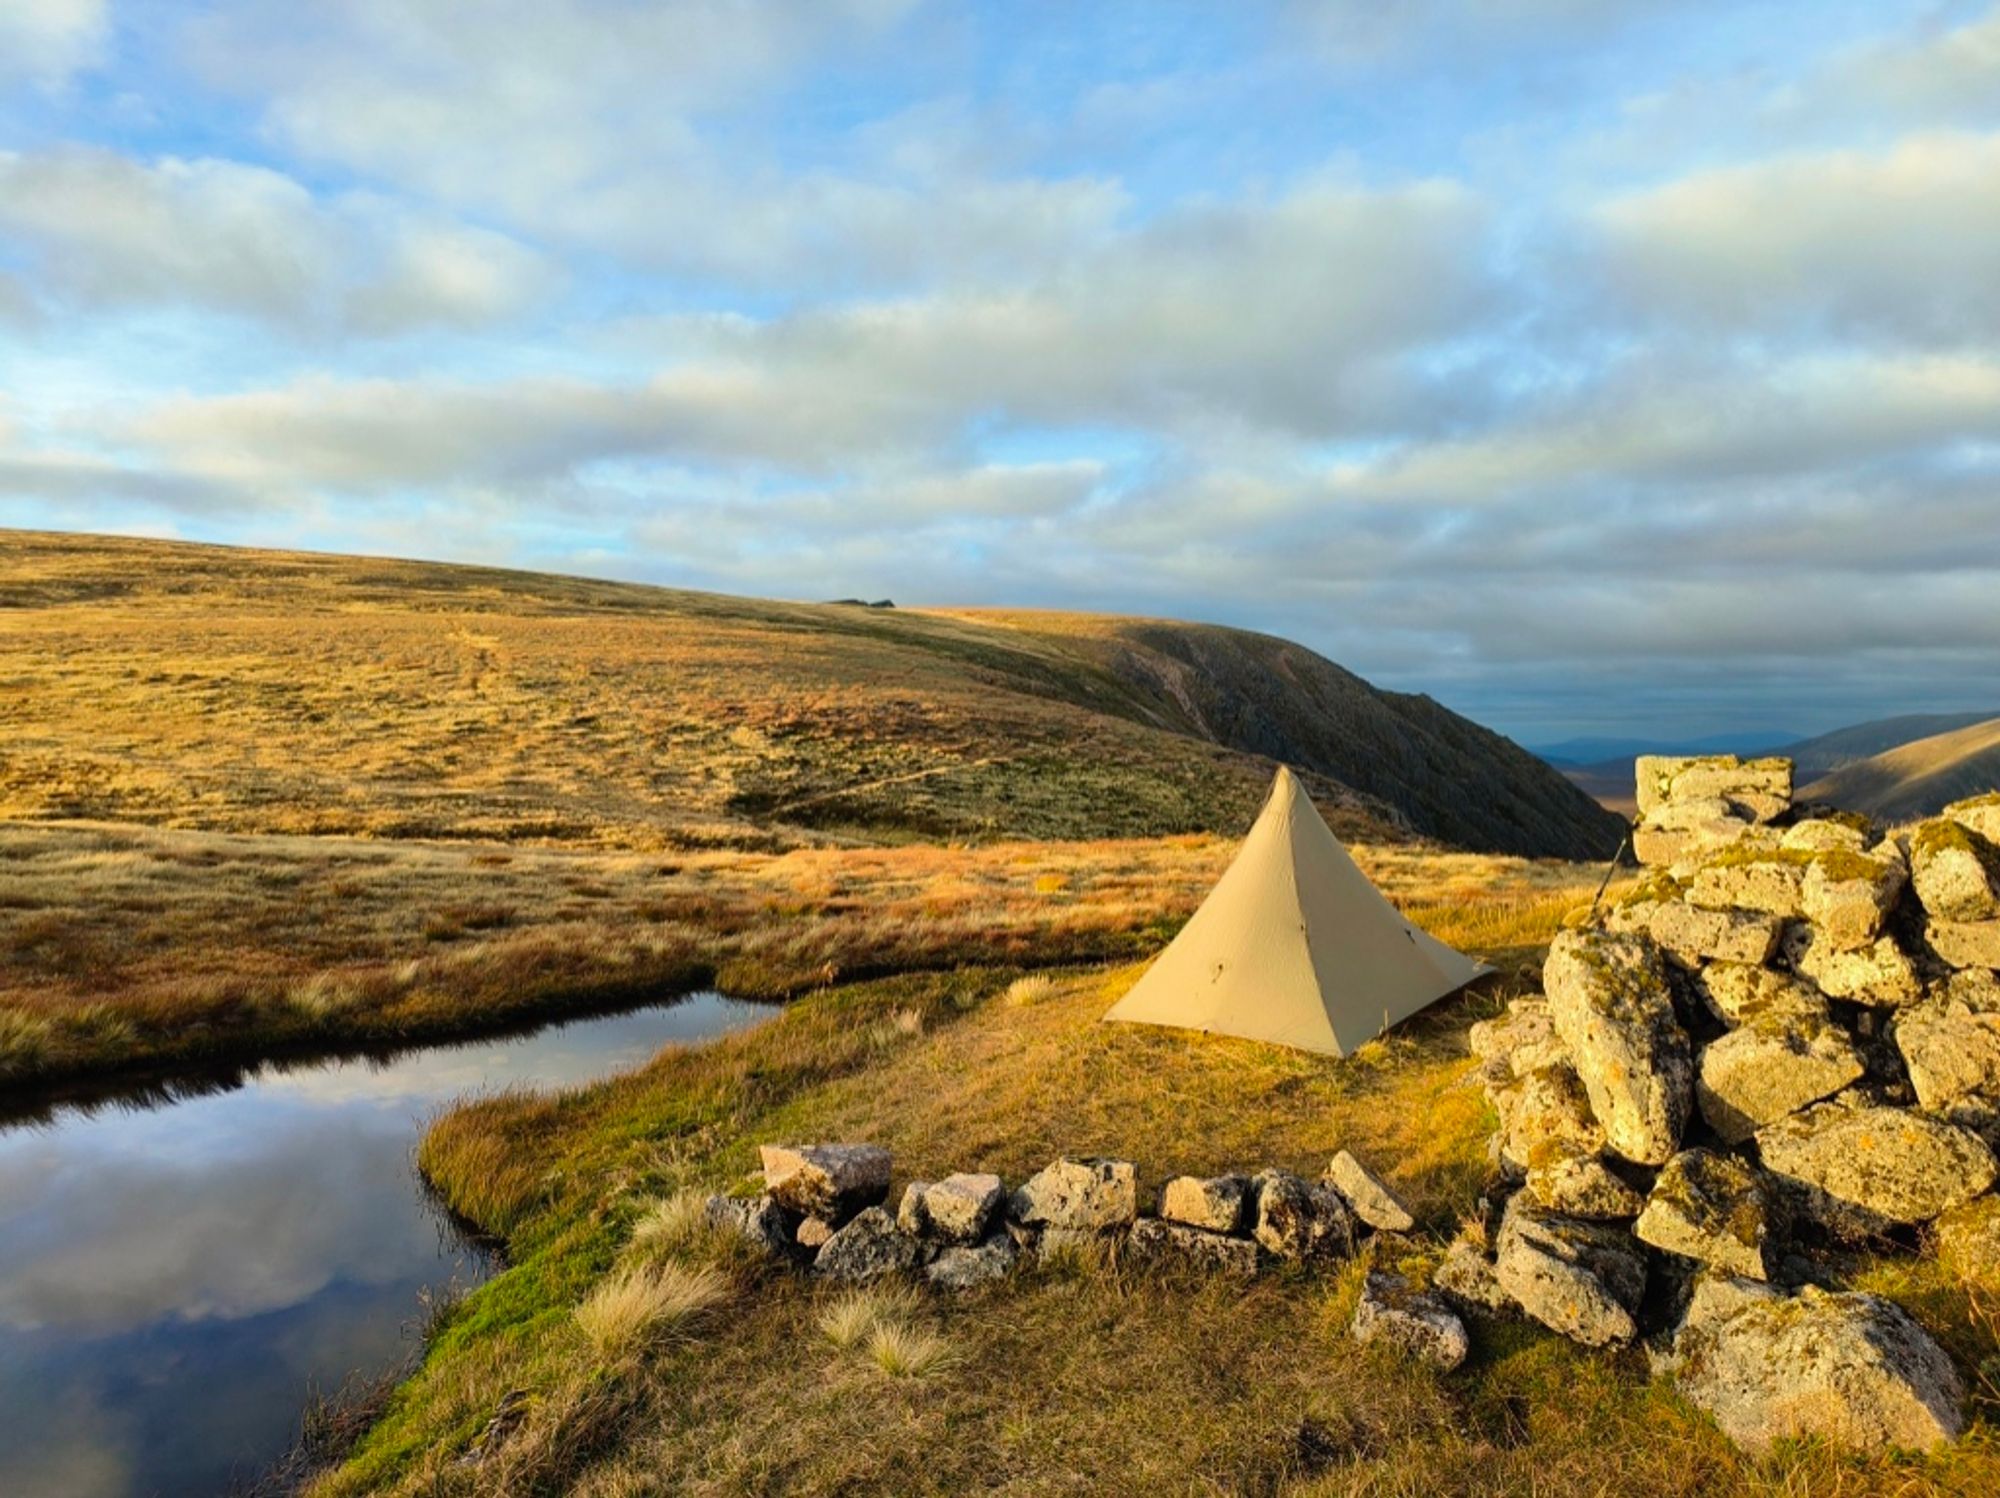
x=127, y=948
x=1074, y=1377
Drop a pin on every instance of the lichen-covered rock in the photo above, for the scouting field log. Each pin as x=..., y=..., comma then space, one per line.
x=1780, y=1058
x=1950, y=1049
x=1850, y=833
x=1888, y=1163
x=1735, y=992
x=1524, y=1038
x=1773, y=882
x=1692, y=936
x=1848, y=896
x=1465, y=1276
x=761, y=1220
x=1980, y=814
x=1368, y=1195
x=910, y=1210
x=1965, y=943
x=1853, y=1370
x=1682, y=832
x=1713, y=1208
x=1549, y=1106
x=1612, y=1007
x=833, y=1181
x=957, y=1209
x=1579, y=1184
x=1762, y=788
x=1217, y=1203
x=1177, y=1245
x=1079, y=1196
x=1956, y=871
x=963, y=1267
x=1968, y=1241
x=1880, y=975
x=1297, y=1220
x=1416, y=1323
x=869, y=1247
x=1582, y=1279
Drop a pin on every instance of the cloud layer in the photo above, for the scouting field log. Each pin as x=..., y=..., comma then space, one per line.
x=1576, y=362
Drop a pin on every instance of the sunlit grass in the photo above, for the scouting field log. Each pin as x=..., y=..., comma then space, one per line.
x=905, y=1351
x=636, y=1306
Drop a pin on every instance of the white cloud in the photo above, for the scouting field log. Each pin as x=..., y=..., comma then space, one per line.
x=1298, y=316
x=102, y=230
x=1939, y=74
x=1898, y=242
x=47, y=41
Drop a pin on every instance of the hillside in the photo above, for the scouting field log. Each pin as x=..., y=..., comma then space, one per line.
x=1917, y=780
x=240, y=691
x=1827, y=752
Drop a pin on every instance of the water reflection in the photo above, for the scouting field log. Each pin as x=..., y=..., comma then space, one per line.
x=174, y=1277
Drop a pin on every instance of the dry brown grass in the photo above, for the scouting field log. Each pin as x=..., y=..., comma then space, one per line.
x=640, y=1305
x=123, y=946
x=245, y=691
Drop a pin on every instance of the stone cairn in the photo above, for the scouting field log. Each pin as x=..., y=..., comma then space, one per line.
x=1785, y=1039
x=824, y=1207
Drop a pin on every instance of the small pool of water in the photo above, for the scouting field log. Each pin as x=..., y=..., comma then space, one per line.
x=175, y=1277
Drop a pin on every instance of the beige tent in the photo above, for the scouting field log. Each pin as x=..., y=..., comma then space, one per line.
x=1295, y=946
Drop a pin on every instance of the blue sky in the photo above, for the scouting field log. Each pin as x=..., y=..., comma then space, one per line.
x=1597, y=367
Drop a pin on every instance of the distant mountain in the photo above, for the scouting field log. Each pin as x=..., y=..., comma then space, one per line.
x=1845, y=746
x=1916, y=779
x=1597, y=753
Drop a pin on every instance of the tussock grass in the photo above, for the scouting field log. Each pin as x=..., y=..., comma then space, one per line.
x=854, y=1317
x=634, y=1307
x=902, y=1350
x=1030, y=990
x=672, y=1223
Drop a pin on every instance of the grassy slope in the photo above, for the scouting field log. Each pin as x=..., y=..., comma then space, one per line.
x=1827, y=752
x=1917, y=780
x=229, y=690
x=1068, y=1379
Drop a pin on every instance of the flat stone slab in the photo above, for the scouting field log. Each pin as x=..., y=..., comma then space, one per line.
x=1582, y=1279
x=1220, y=1204
x=1078, y=1196
x=1890, y=1163
x=1713, y=1208
x=1297, y=1220
x=1416, y=1323
x=1369, y=1195
x=1176, y=1245
x=833, y=1181
x=1853, y=1370
x=966, y=1267
x=1779, y=1061
x=871, y=1247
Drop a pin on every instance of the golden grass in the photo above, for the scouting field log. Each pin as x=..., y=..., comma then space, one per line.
x=903, y=1350
x=853, y=1317
x=268, y=692
x=637, y=1306
x=125, y=945
x=672, y=1223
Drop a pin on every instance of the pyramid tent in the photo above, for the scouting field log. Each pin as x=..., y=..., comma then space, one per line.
x=1295, y=946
